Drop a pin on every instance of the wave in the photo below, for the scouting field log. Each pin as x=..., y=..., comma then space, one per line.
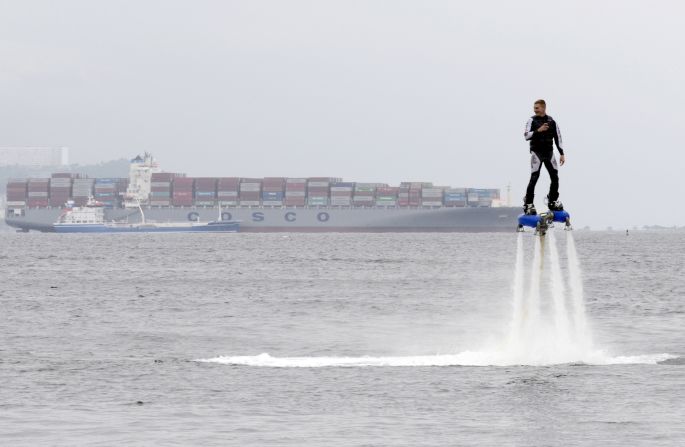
x=466, y=358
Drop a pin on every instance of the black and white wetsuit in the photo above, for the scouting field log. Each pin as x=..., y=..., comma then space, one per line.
x=542, y=153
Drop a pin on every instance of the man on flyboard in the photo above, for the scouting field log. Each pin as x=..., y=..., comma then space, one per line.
x=542, y=131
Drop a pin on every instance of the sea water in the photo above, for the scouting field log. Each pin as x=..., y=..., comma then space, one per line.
x=342, y=339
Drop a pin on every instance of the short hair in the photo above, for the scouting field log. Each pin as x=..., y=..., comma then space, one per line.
x=541, y=102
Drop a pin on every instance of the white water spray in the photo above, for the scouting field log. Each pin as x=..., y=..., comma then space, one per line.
x=544, y=310
x=532, y=300
x=519, y=313
x=561, y=319
x=580, y=324
x=538, y=335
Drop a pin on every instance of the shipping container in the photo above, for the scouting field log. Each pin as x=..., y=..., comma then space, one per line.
x=250, y=186
x=222, y=194
x=431, y=192
x=431, y=203
x=317, y=201
x=341, y=201
x=165, y=176
x=37, y=203
x=272, y=195
x=294, y=201
x=65, y=175
x=273, y=184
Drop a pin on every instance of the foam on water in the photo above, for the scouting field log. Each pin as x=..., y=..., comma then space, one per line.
x=466, y=358
x=554, y=333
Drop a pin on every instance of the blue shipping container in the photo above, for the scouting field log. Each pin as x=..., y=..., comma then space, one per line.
x=272, y=195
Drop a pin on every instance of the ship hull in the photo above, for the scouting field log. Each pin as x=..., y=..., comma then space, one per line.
x=305, y=220
x=133, y=228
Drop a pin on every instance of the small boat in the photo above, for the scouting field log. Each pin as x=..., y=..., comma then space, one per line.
x=91, y=219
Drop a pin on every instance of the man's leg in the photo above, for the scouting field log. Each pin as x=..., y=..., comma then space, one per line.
x=535, y=166
x=552, y=168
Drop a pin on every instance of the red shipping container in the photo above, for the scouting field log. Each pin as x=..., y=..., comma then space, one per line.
x=294, y=201
x=35, y=203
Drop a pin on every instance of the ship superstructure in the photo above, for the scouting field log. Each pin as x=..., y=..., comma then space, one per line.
x=140, y=180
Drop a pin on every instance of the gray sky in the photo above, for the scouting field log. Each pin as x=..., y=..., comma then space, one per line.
x=367, y=90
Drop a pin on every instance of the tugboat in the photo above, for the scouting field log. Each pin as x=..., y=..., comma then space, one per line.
x=91, y=219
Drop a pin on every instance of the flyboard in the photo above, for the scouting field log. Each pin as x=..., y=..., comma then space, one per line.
x=543, y=221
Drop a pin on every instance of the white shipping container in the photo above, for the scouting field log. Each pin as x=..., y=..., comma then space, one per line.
x=341, y=188
x=272, y=203
x=431, y=190
x=473, y=197
x=363, y=198
x=386, y=203
x=318, y=184
x=227, y=193
x=38, y=194
x=296, y=180
x=431, y=203
x=431, y=195
x=294, y=194
x=250, y=186
x=249, y=203
x=228, y=202
x=160, y=184
x=341, y=201
x=17, y=203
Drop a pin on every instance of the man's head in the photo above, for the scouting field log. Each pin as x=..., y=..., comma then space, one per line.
x=539, y=107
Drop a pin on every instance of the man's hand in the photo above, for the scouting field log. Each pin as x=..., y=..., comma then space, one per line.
x=543, y=128
x=562, y=160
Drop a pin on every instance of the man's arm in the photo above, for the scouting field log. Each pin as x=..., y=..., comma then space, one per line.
x=557, y=139
x=560, y=144
x=528, y=133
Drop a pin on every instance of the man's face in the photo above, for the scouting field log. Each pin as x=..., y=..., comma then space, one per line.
x=539, y=109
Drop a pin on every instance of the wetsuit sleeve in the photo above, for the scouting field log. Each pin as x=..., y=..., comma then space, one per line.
x=557, y=139
x=528, y=133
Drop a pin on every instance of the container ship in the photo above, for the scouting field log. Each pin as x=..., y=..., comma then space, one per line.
x=271, y=204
